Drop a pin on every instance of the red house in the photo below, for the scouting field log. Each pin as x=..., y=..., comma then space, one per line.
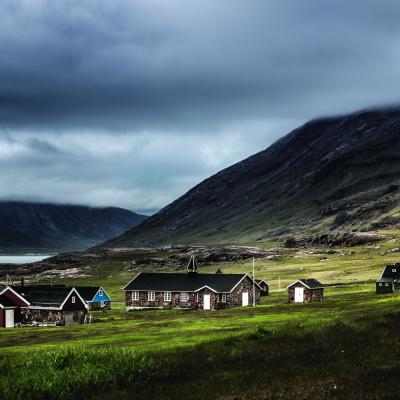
x=41, y=305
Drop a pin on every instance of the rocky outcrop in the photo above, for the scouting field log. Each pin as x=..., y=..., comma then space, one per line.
x=338, y=239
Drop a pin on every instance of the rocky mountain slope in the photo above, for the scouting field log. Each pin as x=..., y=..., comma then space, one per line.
x=330, y=174
x=49, y=227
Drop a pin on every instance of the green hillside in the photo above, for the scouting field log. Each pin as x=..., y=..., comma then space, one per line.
x=289, y=350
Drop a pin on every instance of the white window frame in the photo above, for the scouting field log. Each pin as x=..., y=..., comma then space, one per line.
x=386, y=284
x=102, y=303
x=394, y=270
x=101, y=292
x=151, y=296
x=380, y=284
x=223, y=297
x=167, y=296
x=184, y=294
x=73, y=299
x=135, y=296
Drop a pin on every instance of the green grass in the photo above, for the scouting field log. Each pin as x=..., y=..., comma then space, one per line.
x=285, y=349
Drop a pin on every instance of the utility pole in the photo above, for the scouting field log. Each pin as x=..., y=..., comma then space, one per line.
x=254, y=286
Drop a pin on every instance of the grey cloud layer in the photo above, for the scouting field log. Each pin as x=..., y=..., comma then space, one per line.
x=174, y=81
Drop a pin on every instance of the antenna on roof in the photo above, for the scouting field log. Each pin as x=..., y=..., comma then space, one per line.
x=192, y=266
x=254, y=286
x=9, y=281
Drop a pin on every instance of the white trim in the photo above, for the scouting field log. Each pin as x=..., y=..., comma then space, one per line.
x=104, y=292
x=7, y=307
x=181, y=299
x=205, y=286
x=151, y=295
x=244, y=276
x=303, y=283
x=17, y=294
x=169, y=295
x=69, y=294
x=124, y=288
x=133, y=298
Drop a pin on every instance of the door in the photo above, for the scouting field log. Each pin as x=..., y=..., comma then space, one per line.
x=207, y=302
x=9, y=318
x=298, y=295
x=245, y=299
x=69, y=318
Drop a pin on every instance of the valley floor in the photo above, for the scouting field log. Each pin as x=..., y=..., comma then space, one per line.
x=345, y=347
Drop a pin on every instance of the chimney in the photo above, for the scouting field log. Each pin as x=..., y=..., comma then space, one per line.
x=22, y=281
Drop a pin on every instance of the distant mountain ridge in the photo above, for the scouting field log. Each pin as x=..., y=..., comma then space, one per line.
x=329, y=174
x=44, y=227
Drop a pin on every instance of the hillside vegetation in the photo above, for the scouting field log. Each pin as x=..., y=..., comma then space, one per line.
x=322, y=350
x=332, y=173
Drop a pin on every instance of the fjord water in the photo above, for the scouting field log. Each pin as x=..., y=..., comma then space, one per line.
x=22, y=259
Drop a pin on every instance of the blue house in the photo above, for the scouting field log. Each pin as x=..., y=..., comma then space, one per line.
x=95, y=297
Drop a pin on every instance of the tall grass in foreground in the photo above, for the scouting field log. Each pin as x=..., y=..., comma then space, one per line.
x=333, y=361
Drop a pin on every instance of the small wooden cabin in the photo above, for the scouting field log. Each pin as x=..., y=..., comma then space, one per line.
x=389, y=281
x=263, y=286
x=305, y=291
x=95, y=297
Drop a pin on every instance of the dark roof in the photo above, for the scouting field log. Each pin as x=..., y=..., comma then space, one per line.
x=87, y=292
x=5, y=301
x=179, y=282
x=391, y=272
x=44, y=295
x=258, y=281
x=310, y=283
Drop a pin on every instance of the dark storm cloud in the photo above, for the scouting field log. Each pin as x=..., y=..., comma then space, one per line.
x=98, y=100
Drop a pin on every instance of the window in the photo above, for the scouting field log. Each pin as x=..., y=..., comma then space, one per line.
x=184, y=296
x=151, y=296
x=135, y=296
x=100, y=292
x=380, y=284
x=73, y=299
x=386, y=284
x=102, y=304
x=167, y=296
x=223, y=297
x=394, y=270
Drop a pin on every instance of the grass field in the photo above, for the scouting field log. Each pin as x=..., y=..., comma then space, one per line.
x=275, y=350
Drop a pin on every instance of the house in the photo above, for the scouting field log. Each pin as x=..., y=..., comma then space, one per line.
x=190, y=290
x=305, y=291
x=7, y=312
x=41, y=305
x=263, y=286
x=95, y=297
x=389, y=281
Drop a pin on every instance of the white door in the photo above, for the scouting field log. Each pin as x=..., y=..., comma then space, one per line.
x=9, y=318
x=245, y=299
x=298, y=295
x=207, y=302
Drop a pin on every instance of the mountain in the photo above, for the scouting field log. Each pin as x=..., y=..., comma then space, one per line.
x=52, y=228
x=329, y=174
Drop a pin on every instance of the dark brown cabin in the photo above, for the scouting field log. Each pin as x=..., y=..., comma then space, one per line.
x=305, y=291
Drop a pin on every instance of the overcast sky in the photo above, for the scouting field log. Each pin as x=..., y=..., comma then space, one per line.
x=131, y=103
